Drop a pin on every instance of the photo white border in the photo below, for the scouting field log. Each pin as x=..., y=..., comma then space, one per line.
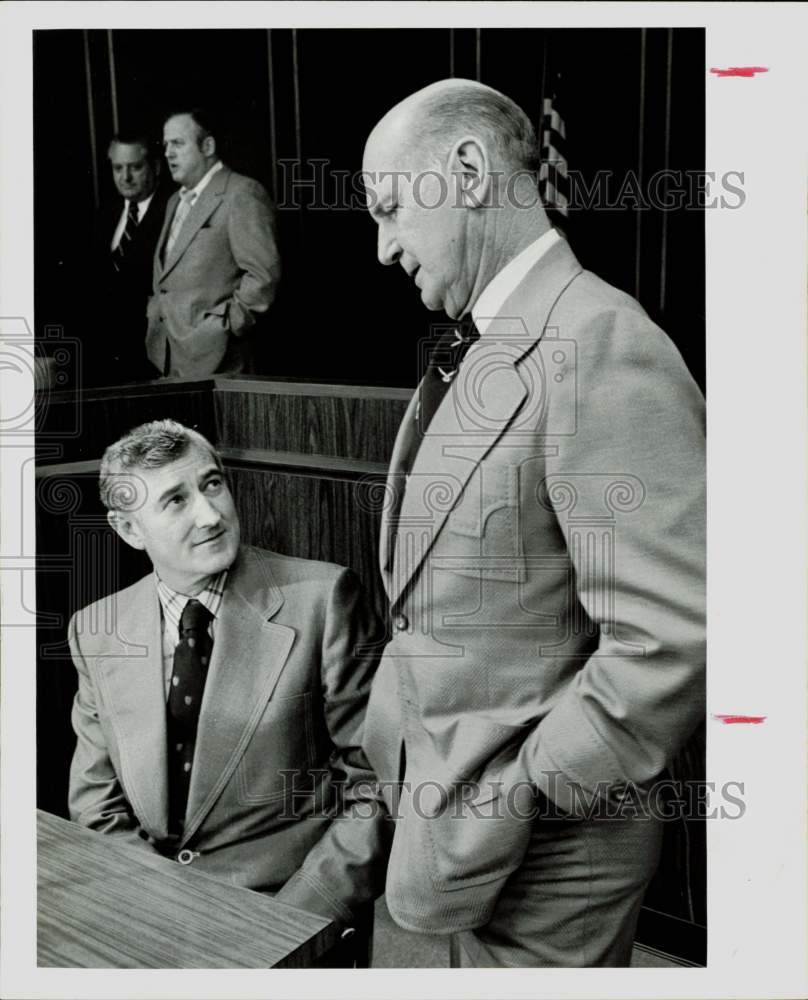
x=756, y=372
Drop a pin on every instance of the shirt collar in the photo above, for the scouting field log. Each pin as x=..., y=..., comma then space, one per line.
x=197, y=190
x=497, y=290
x=142, y=206
x=173, y=603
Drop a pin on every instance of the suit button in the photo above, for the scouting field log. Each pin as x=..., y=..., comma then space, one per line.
x=400, y=623
x=185, y=857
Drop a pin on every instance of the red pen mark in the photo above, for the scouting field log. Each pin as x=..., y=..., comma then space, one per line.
x=740, y=70
x=734, y=720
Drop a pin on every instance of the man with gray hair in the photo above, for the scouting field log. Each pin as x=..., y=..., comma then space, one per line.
x=543, y=553
x=219, y=713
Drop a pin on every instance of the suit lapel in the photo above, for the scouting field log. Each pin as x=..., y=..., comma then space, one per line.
x=109, y=223
x=485, y=397
x=205, y=205
x=394, y=490
x=133, y=686
x=152, y=223
x=249, y=653
x=455, y=443
x=171, y=208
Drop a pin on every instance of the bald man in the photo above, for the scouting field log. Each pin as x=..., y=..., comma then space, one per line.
x=543, y=553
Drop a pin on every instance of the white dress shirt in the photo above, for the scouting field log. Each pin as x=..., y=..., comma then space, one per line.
x=188, y=198
x=200, y=187
x=497, y=291
x=142, y=208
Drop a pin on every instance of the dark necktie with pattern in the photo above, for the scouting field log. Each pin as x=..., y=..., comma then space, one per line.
x=444, y=359
x=127, y=236
x=191, y=658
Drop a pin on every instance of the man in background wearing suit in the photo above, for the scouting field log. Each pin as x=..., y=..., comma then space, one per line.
x=124, y=240
x=217, y=265
x=543, y=552
x=219, y=714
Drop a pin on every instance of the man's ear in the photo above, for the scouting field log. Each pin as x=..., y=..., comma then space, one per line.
x=127, y=527
x=468, y=161
x=208, y=145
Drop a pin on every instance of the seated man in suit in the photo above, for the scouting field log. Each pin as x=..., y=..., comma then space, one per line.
x=217, y=266
x=219, y=715
x=125, y=235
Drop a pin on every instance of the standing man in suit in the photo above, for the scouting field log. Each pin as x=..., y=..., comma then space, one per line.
x=217, y=265
x=543, y=551
x=124, y=240
x=219, y=714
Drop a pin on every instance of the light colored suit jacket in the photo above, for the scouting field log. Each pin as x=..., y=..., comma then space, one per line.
x=280, y=723
x=221, y=274
x=546, y=587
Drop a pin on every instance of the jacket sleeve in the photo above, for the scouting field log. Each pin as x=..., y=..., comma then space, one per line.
x=346, y=867
x=637, y=457
x=252, y=230
x=95, y=797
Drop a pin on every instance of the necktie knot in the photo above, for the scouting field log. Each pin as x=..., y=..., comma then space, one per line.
x=449, y=351
x=467, y=329
x=195, y=618
x=133, y=214
x=444, y=360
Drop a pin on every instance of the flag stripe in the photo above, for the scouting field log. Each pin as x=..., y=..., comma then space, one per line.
x=553, y=180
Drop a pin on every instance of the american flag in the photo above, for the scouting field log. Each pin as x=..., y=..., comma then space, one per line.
x=553, y=179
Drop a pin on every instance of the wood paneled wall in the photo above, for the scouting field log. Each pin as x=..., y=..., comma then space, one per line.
x=311, y=419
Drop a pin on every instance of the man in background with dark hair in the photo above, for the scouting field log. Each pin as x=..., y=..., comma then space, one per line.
x=217, y=265
x=124, y=239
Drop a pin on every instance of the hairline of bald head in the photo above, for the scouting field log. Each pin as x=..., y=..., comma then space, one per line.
x=434, y=119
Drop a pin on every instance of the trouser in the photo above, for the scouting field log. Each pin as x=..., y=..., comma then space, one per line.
x=575, y=899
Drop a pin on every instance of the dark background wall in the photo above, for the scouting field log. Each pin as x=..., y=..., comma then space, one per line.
x=632, y=100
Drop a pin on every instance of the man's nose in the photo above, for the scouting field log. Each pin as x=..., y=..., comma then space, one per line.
x=205, y=514
x=388, y=249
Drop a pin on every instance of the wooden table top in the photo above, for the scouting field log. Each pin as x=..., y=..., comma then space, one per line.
x=103, y=905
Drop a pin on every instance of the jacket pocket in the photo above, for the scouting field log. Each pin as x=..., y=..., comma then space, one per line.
x=479, y=837
x=482, y=538
x=281, y=753
x=216, y=318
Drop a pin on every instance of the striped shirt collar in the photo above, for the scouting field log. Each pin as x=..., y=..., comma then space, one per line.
x=173, y=603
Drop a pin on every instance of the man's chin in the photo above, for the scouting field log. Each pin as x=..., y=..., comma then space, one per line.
x=218, y=555
x=430, y=301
